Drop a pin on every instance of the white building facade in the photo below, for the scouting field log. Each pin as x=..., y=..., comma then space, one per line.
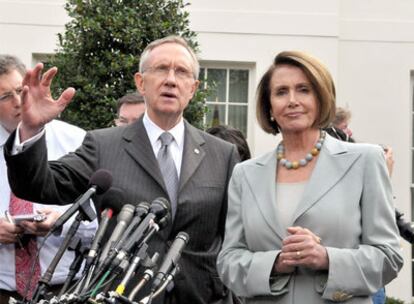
x=368, y=45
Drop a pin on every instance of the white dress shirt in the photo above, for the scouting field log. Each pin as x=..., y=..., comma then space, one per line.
x=61, y=138
x=177, y=145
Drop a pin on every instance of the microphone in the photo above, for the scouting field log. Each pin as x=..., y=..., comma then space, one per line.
x=157, y=213
x=140, y=212
x=171, y=258
x=111, y=204
x=99, y=183
x=123, y=219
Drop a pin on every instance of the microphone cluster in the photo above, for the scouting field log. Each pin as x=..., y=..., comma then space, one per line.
x=110, y=265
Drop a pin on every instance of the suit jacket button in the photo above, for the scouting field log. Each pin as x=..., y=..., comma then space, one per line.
x=340, y=296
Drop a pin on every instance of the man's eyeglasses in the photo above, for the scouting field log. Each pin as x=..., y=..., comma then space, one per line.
x=164, y=70
x=9, y=95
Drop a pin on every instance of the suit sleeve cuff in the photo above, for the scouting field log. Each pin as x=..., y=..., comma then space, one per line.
x=261, y=282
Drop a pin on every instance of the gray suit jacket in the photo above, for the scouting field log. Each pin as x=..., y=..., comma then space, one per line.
x=347, y=202
x=126, y=152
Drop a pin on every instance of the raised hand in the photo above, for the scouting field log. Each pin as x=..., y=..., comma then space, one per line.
x=38, y=105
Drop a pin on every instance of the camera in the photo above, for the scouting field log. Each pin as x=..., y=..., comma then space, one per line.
x=405, y=228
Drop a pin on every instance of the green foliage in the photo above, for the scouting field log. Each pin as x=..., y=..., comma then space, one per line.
x=99, y=54
x=390, y=300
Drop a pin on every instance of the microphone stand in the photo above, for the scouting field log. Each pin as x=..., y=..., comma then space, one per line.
x=155, y=293
x=85, y=213
x=148, y=275
x=76, y=264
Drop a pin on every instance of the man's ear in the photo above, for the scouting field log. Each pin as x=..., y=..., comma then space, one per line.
x=194, y=87
x=139, y=83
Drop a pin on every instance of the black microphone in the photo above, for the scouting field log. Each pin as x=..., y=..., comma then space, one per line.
x=158, y=213
x=171, y=258
x=123, y=220
x=141, y=211
x=99, y=183
x=111, y=205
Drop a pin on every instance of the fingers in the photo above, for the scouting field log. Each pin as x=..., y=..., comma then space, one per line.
x=48, y=76
x=9, y=233
x=303, y=248
x=66, y=97
x=297, y=230
x=29, y=227
x=35, y=75
x=26, y=78
x=23, y=96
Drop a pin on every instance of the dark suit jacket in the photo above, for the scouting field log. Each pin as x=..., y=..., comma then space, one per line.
x=126, y=152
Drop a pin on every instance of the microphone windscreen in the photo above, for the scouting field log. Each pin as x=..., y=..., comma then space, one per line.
x=113, y=199
x=102, y=179
x=160, y=207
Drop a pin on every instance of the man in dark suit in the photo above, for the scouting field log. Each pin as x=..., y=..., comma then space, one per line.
x=167, y=79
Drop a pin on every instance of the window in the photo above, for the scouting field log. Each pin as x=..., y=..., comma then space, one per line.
x=228, y=99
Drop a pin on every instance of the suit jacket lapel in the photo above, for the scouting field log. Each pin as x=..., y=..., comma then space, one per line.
x=138, y=146
x=193, y=153
x=333, y=162
x=261, y=177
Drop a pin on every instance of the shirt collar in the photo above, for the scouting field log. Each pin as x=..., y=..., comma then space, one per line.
x=4, y=135
x=155, y=131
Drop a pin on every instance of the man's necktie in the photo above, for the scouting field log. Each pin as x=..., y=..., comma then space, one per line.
x=168, y=170
x=25, y=256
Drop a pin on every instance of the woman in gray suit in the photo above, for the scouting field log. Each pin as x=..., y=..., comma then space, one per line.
x=311, y=221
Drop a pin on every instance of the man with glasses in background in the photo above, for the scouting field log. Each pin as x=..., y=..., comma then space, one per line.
x=129, y=108
x=19, y=242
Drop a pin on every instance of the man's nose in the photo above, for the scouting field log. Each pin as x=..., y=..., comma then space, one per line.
x=171, y=77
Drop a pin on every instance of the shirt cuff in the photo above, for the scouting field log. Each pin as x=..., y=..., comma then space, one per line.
x=19, y=147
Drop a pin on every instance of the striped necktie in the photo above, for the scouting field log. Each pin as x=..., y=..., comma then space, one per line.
x=168, y=170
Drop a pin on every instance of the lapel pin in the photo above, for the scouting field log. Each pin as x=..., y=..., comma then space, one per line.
x=196, y=151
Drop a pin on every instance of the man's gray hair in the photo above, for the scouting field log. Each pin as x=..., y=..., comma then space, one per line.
x=169, y=39
x=9, y=63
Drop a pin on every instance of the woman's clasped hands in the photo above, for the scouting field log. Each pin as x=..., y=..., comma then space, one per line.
x=301, y=248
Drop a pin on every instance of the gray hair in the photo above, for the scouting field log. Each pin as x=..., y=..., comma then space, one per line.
x=169, y=39
x=9, y=63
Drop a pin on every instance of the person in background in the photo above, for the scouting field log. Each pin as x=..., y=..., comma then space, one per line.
x=61, y=138
x=139, y=156
x=233, y=136
x=312, y=221
x=129, y=108
x=342, y=120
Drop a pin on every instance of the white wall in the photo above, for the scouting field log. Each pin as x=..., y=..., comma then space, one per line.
x=375, y=62
x=31, y=26
x=368, y=45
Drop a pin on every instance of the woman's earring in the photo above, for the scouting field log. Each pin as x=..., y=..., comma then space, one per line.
x=271, y=118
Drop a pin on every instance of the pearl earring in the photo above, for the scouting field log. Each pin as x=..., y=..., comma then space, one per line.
x=272, y=118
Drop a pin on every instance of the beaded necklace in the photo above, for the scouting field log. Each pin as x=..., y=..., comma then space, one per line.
x=304, y=161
